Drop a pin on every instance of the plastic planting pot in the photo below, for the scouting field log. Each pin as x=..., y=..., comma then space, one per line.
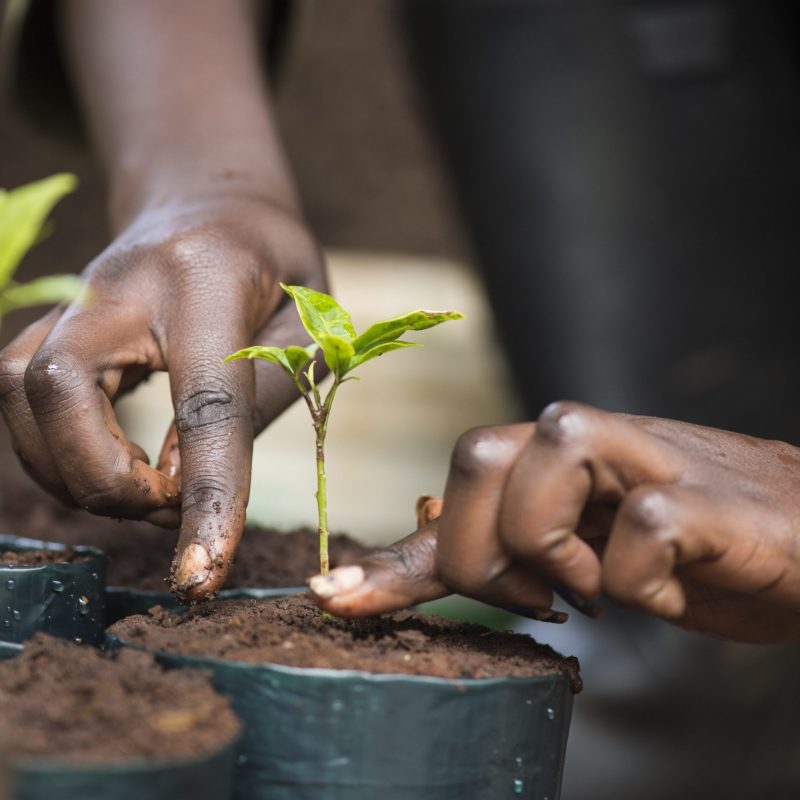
x=122, y=602
x=208, y=778
x=346, y=735
x=62, y=599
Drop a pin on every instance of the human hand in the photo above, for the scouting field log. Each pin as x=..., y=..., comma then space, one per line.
x=181, y=287
x=696, y=525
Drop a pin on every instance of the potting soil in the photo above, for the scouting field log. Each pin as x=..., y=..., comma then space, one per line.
x=292, y=631
x=69, y=703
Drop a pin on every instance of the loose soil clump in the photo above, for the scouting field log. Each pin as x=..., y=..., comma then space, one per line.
x=69, y=703
x=292, y=631
x=140, y=554
x=40, y=558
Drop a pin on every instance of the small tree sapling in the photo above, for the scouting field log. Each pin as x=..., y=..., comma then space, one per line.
x=331, y=328
x=23, y=223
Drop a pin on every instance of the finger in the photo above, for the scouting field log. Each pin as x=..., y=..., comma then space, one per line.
x=274, y=391
x=429, y=508
x=576, y=457
x=657, y=529
x=397, y=577
x=213, y=416
x=64, y=384
x=400, y=576
x=26, y=439
x=471, y=559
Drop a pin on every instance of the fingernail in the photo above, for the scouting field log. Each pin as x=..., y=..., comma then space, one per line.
x=340, y=581
x=169, y=462
x=579, y=603
x=539, y=614
x=194, y=568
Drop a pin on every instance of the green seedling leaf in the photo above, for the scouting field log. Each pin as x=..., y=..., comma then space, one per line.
x=389, y=330
x=377, y=350
x=328, y=324
x=50, y=290
x=23, y=212
x=292, y=359
x=332, y=329
x=337, y=352
x=320, y=313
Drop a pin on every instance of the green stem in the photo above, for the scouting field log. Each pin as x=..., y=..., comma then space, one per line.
x=321, y=429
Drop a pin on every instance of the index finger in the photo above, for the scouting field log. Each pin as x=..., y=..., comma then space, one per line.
x=213, y=416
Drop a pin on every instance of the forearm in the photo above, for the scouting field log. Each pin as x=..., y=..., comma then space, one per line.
x=175, y=101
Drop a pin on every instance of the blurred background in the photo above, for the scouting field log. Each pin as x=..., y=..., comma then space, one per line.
x=609, y=191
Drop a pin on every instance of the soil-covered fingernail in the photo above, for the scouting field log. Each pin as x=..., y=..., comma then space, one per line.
x=194, y=568
x=339, y=581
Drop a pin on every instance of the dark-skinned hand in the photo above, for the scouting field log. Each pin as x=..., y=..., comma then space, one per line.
x=179, y=289
x=695, y=525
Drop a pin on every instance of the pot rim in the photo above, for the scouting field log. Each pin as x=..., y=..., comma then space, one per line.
x=242, y=593
x=9, y=541
x=344, y=675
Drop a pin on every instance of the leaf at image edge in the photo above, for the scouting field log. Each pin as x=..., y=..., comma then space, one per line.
x=23, y=212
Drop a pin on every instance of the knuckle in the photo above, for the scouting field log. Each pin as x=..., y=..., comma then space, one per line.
x=564, y=422
x=191, y=248
x=104, y=499
x=480, y=451
x=208, y=408
x=650, y=510
x=551, y=547
x=190, y=252
x=410, y=563
x=51, y=374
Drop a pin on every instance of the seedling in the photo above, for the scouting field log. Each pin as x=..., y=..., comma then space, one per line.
x=23, y=223
x=331, y=328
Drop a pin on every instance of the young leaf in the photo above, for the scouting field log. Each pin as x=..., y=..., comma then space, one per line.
x=41, y=292
x=292, y=359
x=337, y=352
x=23, y=211
x=300, y=356
x=377, y=350
x=321, y=314
x=390, y=329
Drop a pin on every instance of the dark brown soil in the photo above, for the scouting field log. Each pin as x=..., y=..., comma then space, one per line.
x=293, y=631
x=140, y=554
x=65, y=702
x=38, y=558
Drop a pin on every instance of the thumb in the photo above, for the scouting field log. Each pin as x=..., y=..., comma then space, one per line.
x=399, y=576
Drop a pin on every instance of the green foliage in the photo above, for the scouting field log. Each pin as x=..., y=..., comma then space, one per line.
x=331, y=328
x=23, y=223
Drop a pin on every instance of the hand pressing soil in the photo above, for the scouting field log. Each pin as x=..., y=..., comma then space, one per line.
x=292, y=631
x=140, y=554
x=68, y=703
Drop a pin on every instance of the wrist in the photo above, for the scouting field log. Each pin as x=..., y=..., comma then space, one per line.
x=192, y=175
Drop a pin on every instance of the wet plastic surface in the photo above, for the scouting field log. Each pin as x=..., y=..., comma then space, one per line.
x=208, y=778
x=123, y=602
x=66, y=600
x=349, y=735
